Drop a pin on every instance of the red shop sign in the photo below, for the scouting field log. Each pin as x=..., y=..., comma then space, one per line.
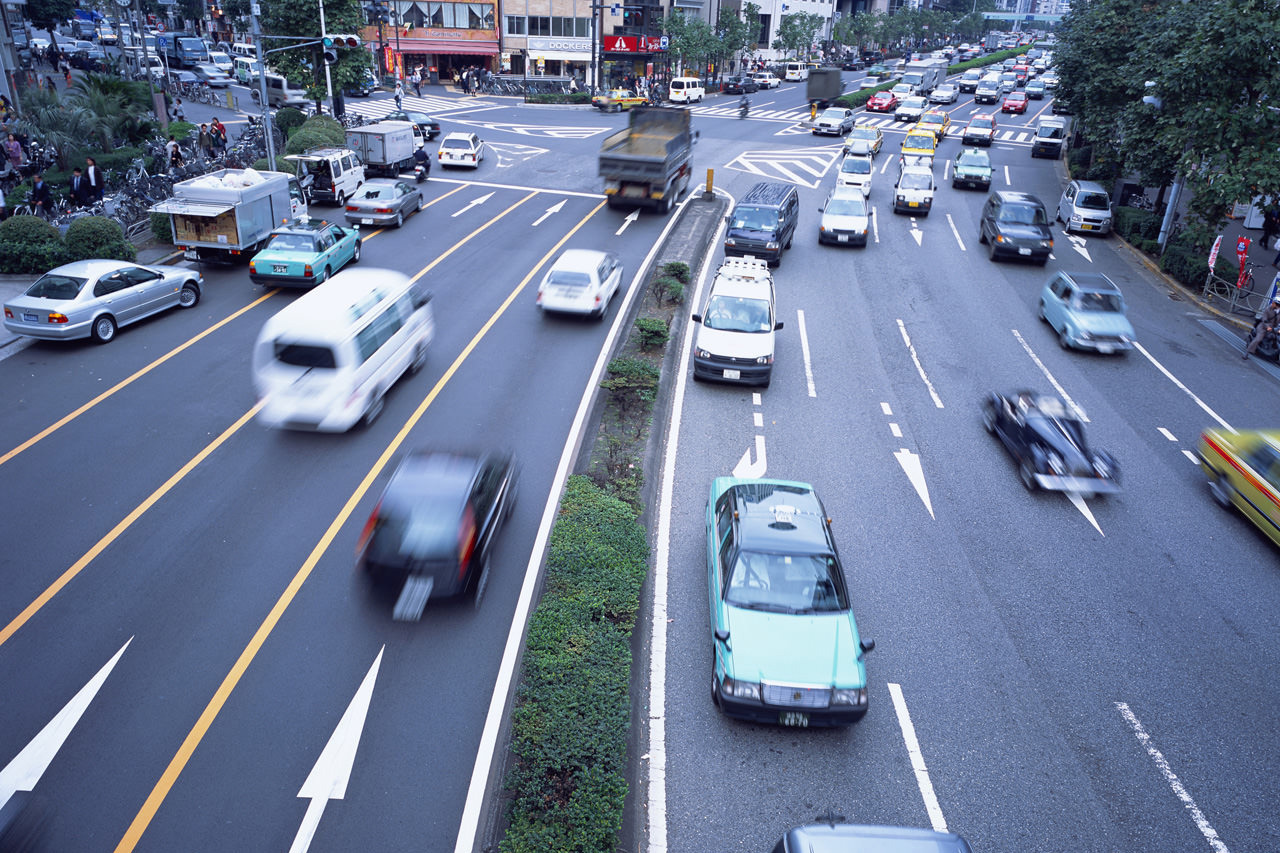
x=620, y=44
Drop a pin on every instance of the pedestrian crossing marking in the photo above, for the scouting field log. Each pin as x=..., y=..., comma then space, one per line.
x=430, y=104
x=545, y=130
x=803, y=166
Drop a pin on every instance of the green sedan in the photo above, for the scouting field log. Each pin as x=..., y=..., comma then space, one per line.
x=786, y=644
x=304, y=253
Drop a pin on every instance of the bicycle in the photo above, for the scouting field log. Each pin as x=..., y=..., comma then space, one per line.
x=137, y=172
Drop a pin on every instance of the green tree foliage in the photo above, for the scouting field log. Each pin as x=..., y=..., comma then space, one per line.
x=858, y=29
x=97, y=237
x=45, y=14
x=693, y=41
x=796, y=34
x=304, y=66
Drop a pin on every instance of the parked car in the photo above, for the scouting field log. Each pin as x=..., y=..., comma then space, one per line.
x=740, y=85
x=846, y=217
x=383, y=201
x=1244, y=471
x=1047, y=441
x=91, y=299
x=461, y=149
x=1015, y=224
x=1087, y=311
x=766, y=80
x=1084, y=206
x=581, y=281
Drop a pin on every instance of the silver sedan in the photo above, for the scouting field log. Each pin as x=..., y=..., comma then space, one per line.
x=94, y=298
x=383, y=201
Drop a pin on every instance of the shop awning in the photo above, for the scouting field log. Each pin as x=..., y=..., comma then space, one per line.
x=566, y=55
x=445, y=46
x=191, y=208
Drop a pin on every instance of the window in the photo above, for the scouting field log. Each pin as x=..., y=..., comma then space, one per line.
x=378, y=332
x=515, y=25
x=479, y=16
x=582, y=28
x=539, y=26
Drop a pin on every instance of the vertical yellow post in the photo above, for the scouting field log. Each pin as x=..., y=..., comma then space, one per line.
x=813, y=111
x=710, y=180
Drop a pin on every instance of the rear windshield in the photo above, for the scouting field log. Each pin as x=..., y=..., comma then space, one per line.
x=456, y=143
x=292, y=243
x=1023, y=214
x=427, y=531
x=1093, y=201
x=56, y=287
x=305, y=355
x=568, y=278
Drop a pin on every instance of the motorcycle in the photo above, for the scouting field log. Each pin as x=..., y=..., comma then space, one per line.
x=743, y=108
x=420, y=173
x=1269, y=346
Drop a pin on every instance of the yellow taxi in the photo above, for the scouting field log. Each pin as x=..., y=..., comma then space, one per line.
x=1244, y=470
x=919, y=142
x=934, y=121
x=614, y=100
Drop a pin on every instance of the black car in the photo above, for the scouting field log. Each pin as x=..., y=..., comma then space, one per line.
x=1046, y=438
x=1015, y=225
x=434, y=527
x=429, y=126
x=740, y=85
x=851, y=64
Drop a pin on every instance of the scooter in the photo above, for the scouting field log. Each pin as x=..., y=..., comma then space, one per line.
x=1269, y=346
x=743, y=109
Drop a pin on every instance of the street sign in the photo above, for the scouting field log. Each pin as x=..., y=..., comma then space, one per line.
x=615, y=9
x=664, y=43
x=124, y=4
x=162, y=42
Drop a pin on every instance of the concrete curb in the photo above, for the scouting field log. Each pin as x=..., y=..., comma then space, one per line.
x=1182, y=290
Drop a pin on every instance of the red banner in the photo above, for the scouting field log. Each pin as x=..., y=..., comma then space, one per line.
x=632, y=44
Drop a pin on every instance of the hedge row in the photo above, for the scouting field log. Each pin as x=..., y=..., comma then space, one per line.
x=566, y=98
x=572, y=714
x=28, y=244
x=860, y=98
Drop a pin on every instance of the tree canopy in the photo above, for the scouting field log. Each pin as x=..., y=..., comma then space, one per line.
x=303, y=66
x=796, y=34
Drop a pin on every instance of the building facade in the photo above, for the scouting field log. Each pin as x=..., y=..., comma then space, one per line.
x=439, y=37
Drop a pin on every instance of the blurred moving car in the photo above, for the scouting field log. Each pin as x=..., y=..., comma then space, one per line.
x=91, y=299
x=947, y=93
x=1244, y=471
x=1015, y=224
x=1047, y=441
x=786, y=645
x=864, y=139
x=846, y=217
x=304, y=253
x=212, y=76
x=616, y=100
x=833, y=837
x=461, y=149
x=436, y=524
x=581, y=281
x=1087, y=311
x=383, y=201
x=429, y=126
x=836, y=121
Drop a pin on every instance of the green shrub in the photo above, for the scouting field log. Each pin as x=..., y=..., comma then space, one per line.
x=632, y=382
x=180, y=130
x=304, y=140
x=565, y=98
x=327, y=127
x=1078, y=159
x=653, y=333
x=29, y=244
x=1133, y=224
x=282, y=165
x=97, y=237
x=288, y=118
x=677, y=270
x=162, y=227
x=572, y=713
x=668, y=289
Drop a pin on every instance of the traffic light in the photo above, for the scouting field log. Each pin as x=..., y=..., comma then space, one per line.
x=342, y=41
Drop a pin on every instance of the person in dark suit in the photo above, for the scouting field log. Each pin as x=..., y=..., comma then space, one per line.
x=40, y=197
x=94, y=177
x=79, y=185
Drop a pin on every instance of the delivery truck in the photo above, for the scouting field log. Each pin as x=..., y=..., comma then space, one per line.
x=386, y=147
x=925, y=75
x=227, y=216
x=824, y=87
x=647, y=164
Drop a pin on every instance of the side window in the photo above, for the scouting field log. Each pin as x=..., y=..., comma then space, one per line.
x=378, y=332
x=346, y=163
x=1071, y=192
x=1263, y=459
x=726, y=559
x=1067, y=293
x=724, y=515
x=110, y=284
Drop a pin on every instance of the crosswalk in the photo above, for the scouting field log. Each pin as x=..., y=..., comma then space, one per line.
x=431, y=104
x=884, y=122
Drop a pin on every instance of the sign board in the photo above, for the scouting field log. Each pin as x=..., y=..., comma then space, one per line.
x=162, y=41
x=664, y=43
x=1213, y=253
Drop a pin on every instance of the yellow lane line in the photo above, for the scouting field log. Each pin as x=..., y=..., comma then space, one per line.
x=179, y=762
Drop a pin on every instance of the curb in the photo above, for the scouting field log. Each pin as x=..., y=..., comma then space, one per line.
x=1181, y=289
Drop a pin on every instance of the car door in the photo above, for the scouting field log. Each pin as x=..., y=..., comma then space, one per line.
x=326, y=254
x=117, y=294
x=155, y=291
x=484, y=502
x=1261, y=492
x=1055, y=302
x=1067, y=202
x=720, y=549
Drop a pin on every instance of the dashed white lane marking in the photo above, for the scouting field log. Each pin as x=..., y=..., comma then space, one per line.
x=954, y=231
x=895, y=429
x=1062, y=392
x=917, y=759
x=1166, y=433
x=755, y=398
x=875, y=225
x=884, y=407
x=1179, y=790
x=937, y=401
x=1195, y=460
x=758, y=418
x=1201, y=403
x=804, y=348
x=1006, y=176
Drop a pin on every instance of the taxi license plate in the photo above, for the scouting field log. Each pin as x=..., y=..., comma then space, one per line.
x=1024, y=251
x=30, y=318
x=793, y=718
x=366, y=221
x=733, y=374
x=190, y=254
x=914, y=203
x=279, y=269
x=843, y=238
x=1105, y=349
x=1085, y=226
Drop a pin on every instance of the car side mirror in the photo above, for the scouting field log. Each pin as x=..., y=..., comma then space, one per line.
x=777, y=325
x=697, y=318
x=867, y=646
x=722, y=635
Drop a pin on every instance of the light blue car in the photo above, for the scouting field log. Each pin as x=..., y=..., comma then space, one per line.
x=1087, y=311
x=304, y=253
x=786, y=644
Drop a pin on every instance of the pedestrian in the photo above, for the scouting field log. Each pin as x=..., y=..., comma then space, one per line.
x=416, y=80
x=66, y=73
x=79, y=187
x=173, y=152
x=40, y=197
x=219, y=133
x=205, y=140
x=179, y=114
x=399, y=93
x=13, y=150
x=94, y=178
x=1269, y=320
x=49, y=84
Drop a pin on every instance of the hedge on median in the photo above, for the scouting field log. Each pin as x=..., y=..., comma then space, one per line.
x=572, y=715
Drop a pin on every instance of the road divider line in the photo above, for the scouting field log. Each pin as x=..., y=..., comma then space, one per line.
x=1166, y=433
x=138, y=374
x=1201, y=403
x=518, y=188
x=917, y=759
x=1179, y=790
x=804, y=348
x=906, y=339
x=956, y=232
x=1062, y=392
x=124, y=524
x=179, y=761
x=1195, y=460
x=875, y=225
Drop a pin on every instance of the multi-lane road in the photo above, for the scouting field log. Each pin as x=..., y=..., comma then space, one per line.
x=1091, y=676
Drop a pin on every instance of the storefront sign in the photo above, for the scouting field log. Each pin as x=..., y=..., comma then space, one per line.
x=566, y=45
x=632, y=44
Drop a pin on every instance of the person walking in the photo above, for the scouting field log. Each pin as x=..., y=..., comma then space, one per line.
x=416, y=80
x=13, y=150
x=41, y=200
x=173, y=152
x=179, y=114
x=219, y=133
x=205, y=141
x=399, y=93
x=79, y=187
x=94, y=178
x=1269, y=320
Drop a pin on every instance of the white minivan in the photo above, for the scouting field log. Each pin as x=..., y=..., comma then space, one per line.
x=735, y=336
x=796, y=71
x=325, y=361
x=686, y=90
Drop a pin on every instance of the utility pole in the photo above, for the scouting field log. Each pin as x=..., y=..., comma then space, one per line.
x=157, y=98
x=328, y=81
x=254, y=11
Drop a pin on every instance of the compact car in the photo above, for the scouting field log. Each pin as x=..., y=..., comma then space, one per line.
x=846, y=217
x=1087, y=311
x=1047, y=441
x=1014, y=102
x=212, y=76
x=981, y=130
x=856, y=170
x=461, y=149
x=936, y=121
x=864, y=139
x=305, y=253
x=913, y=193
x=836, y=121
x=947, y=93
x=616, y=100
x=1035, y=89
x=735, y=338
x=429, y=126
x=1015, y=224
x=911, y=109
x=882, y=102
x=383, y=201
x=765, y=80
x=581, y=281
x=972, y=169
x=740, y=85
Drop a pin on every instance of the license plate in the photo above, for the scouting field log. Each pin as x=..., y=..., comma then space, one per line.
x=366, y=221
x=843, y=238
x=1086, y=227
x=279, y=269
x=914, y=203
x=1105, y=349
x=793, y=718
x=30, y=318
x=190, y=254
x=733, y=374
x=1024, y=251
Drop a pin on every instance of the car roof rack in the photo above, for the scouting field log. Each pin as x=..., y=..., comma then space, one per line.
x=749, y=268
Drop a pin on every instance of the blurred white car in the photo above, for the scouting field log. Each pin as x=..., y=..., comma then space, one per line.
x=581, y=281
x=947, y=93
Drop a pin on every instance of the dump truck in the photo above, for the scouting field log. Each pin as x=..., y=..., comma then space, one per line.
x=824, y=87
x=647, y=164
x=227, y=216
x=925, y=75
x=386, y=147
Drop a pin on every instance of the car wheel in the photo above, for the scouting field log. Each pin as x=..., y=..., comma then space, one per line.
x=419, y=359
x=1027, y=475
x=1040, y=312
x=341, y=198
x=188, y=297
x=375, y=409
x=715, y=688
x=399, y=219
x=103, y=329
x=418, y=209
x=355, y=252
x=982, y=236
x=324, y=276
x=991, y=251
x=1221, y=490
x=989, y=417
x=1063, y=340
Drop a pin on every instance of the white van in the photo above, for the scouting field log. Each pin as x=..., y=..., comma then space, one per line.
x=242, y=49
x=796, y=71
x=325, y=361
x=281, y=93
x=246, y=70
x=686, y=90
x=735, y=339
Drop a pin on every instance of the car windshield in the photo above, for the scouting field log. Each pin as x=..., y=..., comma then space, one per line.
x=1023, y=214
x=304, y=355
x=915, y=181
x=1093, y=201
x=370, y=191
x=973, y=158
x=855, y=166
x=755, y=218
x=833, y=114
x=737, y=314
x=54, y=286
x=856, y=206
x=920, y=141
x=292, y=243
x=785, y=583
x=462, y=144
x=1109, y=303
x=568, y=278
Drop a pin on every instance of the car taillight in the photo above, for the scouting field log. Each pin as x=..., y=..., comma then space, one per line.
x=368, y=529
x=307, y=271
x=382, y=210
x=466, y=540
x=54, y=317
x=252, y=267
x=8, y=313
x=352, y=209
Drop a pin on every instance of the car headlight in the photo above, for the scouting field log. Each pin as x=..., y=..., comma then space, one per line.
x=999, y=238
x=902, y=198
x=821, y=228
x=856, y=697
x=1084, y=336
x=701, y=353
x=1056, y=464
x=740, y=689
x=1075, y=217
x=765, y=359
x=729, y=241
x=1046, y=244
x=772, y=244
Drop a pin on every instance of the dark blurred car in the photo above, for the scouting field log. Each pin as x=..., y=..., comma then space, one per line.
x=429, y=126
x=1047, y=440
x=367, y=85
x=740, y=85
x=437, y=520
x=851, y=64
x=855, y=838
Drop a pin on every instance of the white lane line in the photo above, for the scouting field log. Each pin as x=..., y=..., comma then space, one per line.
x=755, y=398
x=1201, y=403
x=884, y=407
x=875, y=225
x=1201, y=822
x=1062, y=392
x=885, y=167
x=946, y=171
x=917, y=760
x=1166, y=433
x=952, y=223
x=758, y=418
x=804, y=348
x=937, y=401
x=1006, y=176
x=895, y=429
x=1195, y=460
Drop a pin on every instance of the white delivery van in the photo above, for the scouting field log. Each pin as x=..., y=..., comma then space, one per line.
x=325, y=361
x=686, y=90
x=796, y=71
x=735, y=336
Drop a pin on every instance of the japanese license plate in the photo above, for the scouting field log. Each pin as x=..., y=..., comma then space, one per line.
x=1085, y=226
x=1105, y=349
x=733, y=374
x=842, y=238
x=366, y=221
x=914, y=203
x=30, y=318
x=280, y=269
x=190, y=254
x=793, y=718
x=1024, y=251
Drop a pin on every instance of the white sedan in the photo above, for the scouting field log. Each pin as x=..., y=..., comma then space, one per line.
x=461, y=149
x=581, y=281
x=766, y=80
x=944, y=94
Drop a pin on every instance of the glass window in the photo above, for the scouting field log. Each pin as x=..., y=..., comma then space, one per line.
x=435, y=15
x=305, y=355
x=557, y=26
x=479, y=16
x=785, y=583
x=515, y=25
x=582, y=28
x=52, y=286
x=539, y=25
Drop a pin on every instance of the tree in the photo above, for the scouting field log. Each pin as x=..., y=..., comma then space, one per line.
x=691, y=40
x=734, y=34
x=46, y=14
x=796, y=33
x=303, y=65
x=857, y=29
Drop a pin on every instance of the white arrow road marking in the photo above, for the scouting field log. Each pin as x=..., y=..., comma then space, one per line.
x=1084, y=510
x=631, y=217
x=1077, y=243
x=328, y=778
x=911, y=466
x=748, y=469
x=25, y=770
x=906, y=339
x=555, y=208
x=1062, y=392
x=952, y=223
x=915, y=231
x=481, y=200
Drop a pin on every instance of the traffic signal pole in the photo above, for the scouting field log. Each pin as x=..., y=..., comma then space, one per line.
x=328, y=82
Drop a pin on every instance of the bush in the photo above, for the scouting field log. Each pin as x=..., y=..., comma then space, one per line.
x=1078, y=160
x=668, y=289
x=304, y=140
x=288, y=118
x=678, y=270
x=566, y=98
x=162, y=227
x=1133, y=224
x=327, y=127
x=180, y=130
x=631, y=381
x=29, y=244
x=97, y=237
x=572, y=715
x=653, y=333
x=282, y=165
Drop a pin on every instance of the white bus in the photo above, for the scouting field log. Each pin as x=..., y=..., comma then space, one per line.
x=796, y=71
x=325, y=361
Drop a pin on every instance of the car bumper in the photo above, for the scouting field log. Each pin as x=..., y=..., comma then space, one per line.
x=459, y=161
x=976, y=183
x=283, y=280
x=1089, y=227
x=758, y=712
x=1009, y=250
x=747, y=374
x=49, y=331
x=912, y=206
x=1105, y=346
x=828, y=131
x=842, y=238
x=975, y=140
x=370, y=218
x=1079, y=485
x=754, y=251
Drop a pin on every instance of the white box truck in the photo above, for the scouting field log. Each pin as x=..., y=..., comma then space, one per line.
x=227, y=216
x=925, y=75
x=386, y=147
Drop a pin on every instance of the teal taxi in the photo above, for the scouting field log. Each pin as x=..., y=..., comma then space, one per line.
x=786, y=644
x=304, y=253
